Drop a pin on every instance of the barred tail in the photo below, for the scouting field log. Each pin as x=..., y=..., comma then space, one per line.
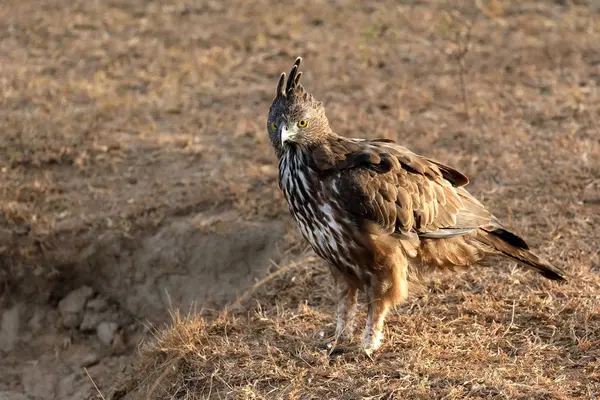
x=513, y=247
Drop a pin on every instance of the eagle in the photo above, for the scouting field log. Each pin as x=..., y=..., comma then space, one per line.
x=379, y=214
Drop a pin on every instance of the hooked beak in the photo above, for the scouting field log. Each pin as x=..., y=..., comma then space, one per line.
x=288, y=135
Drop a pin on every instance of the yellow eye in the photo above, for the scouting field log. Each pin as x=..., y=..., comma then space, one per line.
x=273, y=126
x=302, y=123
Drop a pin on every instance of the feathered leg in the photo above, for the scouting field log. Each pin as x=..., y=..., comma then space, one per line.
x=347, y=297
x=384, y=293
x=377, y=310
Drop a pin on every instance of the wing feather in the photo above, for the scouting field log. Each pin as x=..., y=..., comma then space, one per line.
x=399, y=190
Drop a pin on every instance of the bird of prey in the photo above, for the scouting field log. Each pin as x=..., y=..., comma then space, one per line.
x=380, y=214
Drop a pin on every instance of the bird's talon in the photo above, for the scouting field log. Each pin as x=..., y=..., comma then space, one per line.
x=368, y=353
x=336, y=351
x=332, y=348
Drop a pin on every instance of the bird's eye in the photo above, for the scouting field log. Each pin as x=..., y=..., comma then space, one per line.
x=273, y=126
x=302, y=123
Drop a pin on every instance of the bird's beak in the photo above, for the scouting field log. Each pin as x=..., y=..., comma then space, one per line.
x=287, y=135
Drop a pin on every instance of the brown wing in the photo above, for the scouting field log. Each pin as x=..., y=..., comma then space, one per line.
x=402, y=192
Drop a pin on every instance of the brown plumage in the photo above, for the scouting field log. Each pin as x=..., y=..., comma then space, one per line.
x=380, y=214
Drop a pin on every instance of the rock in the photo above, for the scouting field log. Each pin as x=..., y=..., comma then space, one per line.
x=90, y=321
x=97, y=304
x=75, y=301
x=106, y=332
x=9, y=330
x=71, y=307
x=83, y=358
x=71, y=320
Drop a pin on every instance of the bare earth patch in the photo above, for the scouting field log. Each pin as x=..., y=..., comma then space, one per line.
x=137, y=177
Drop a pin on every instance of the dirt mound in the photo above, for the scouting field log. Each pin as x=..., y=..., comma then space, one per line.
x=206, y=260
x=121, y=285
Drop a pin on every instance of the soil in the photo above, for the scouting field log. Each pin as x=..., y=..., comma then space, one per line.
x=137, y=176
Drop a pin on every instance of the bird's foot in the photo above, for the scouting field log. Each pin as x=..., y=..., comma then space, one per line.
x=336, y=344
x=344, y=334
x=371, y=343
x=333, y=348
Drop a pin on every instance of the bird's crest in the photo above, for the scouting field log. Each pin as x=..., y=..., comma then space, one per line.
x=292, y=89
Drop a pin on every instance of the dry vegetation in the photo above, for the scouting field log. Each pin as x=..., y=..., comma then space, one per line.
x=485, y=336
x=118, y=116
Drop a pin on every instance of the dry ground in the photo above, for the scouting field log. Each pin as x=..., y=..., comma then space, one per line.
x=134, y=159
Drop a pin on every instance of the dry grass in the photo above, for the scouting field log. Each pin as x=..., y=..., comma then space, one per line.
x=506, y=91
x=117, y=115
x=484, y=336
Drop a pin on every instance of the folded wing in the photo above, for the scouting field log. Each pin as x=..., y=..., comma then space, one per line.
x=413, y=197
x=401, y=191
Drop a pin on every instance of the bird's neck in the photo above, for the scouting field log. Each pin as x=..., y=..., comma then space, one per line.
x=294, y=155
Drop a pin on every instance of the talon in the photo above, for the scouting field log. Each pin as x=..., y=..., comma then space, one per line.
x=324, y=346
x=372, y=344
x=344, y=336
x=368, y=353
x=332, y=348
x=336, y=351
x=329, y=343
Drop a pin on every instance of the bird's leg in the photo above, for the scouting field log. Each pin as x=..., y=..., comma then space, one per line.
x=377, y=310
x=383, y=293
x=347, y=297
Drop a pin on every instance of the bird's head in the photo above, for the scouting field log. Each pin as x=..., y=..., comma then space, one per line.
x=295, y=118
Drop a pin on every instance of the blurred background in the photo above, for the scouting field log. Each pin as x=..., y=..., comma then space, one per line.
x=136, y=173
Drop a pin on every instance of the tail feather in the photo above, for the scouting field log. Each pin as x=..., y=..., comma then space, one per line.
x=513, y=247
